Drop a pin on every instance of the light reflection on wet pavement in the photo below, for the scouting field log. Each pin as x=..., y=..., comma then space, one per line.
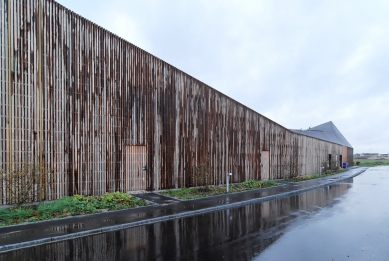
x=167, y=207
x=306, y=226
x=356, y=227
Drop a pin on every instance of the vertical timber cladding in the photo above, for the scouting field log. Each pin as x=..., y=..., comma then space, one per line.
x=21, y=113
x=5, y=87
x=3, y=94
x=76, y=97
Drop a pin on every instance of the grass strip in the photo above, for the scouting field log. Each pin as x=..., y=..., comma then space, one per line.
x=313, y=176
x=69, y=206
x=207, y=191
x=370, y=162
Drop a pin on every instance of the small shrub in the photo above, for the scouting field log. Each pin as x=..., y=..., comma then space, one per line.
x=269, y=183
x=252, y=183
x=20, y=182
x=202, y=172
x=291, y=168
x=116, y=197
x=331, y=166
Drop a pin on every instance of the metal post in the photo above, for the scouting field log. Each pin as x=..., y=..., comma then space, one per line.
x=228, y=178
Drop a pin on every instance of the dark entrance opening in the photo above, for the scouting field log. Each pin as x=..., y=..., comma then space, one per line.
x=329, y=161
x=340, y=160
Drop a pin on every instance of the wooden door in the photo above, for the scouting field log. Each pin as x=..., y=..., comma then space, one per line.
x=265, y=167
x=135, y=161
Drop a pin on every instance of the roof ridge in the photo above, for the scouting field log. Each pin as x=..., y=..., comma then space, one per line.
x=326, y=131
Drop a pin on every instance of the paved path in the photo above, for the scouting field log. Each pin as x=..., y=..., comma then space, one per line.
x=164, y=208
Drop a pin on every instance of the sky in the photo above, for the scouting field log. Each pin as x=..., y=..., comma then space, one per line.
x=299, y=63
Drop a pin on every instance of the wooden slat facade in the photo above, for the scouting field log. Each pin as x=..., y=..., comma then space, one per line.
x=74, y=96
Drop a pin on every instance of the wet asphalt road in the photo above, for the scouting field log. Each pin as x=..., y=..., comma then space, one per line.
x=43, y=232
x=343, y=221
x=355, y=227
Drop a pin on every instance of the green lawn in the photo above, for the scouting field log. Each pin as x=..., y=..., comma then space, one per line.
x=68, y=206
x=207, y=191
x=371, y=162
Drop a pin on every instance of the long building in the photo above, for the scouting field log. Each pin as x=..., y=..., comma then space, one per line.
x=328, y=132
x=105, y=115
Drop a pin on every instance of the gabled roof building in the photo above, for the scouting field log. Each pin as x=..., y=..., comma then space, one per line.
x=329, y=132
x=326, y=131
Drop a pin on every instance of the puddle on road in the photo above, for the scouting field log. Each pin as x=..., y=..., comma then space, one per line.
x=109, y=220
x=69, y=228
x=14, y=234
x=211, y=236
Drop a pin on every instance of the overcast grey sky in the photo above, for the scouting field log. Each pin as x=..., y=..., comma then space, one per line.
x=299, y=63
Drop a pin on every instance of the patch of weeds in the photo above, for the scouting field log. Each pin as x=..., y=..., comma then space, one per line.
x=269, y=183
x=65, y=206
x=15, y=215
x=33, y=219
x=249, y=184
x=183, y=193
x=119, y=200
x=55, y=208
x=314, y=176
x=198, y=192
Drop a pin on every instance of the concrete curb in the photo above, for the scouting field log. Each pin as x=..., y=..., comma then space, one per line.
x=170, y=217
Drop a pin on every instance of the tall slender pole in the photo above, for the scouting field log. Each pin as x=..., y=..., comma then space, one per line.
x=227, y=181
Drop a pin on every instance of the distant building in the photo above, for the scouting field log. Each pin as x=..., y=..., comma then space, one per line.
x=370, y=154
x=328, y=132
